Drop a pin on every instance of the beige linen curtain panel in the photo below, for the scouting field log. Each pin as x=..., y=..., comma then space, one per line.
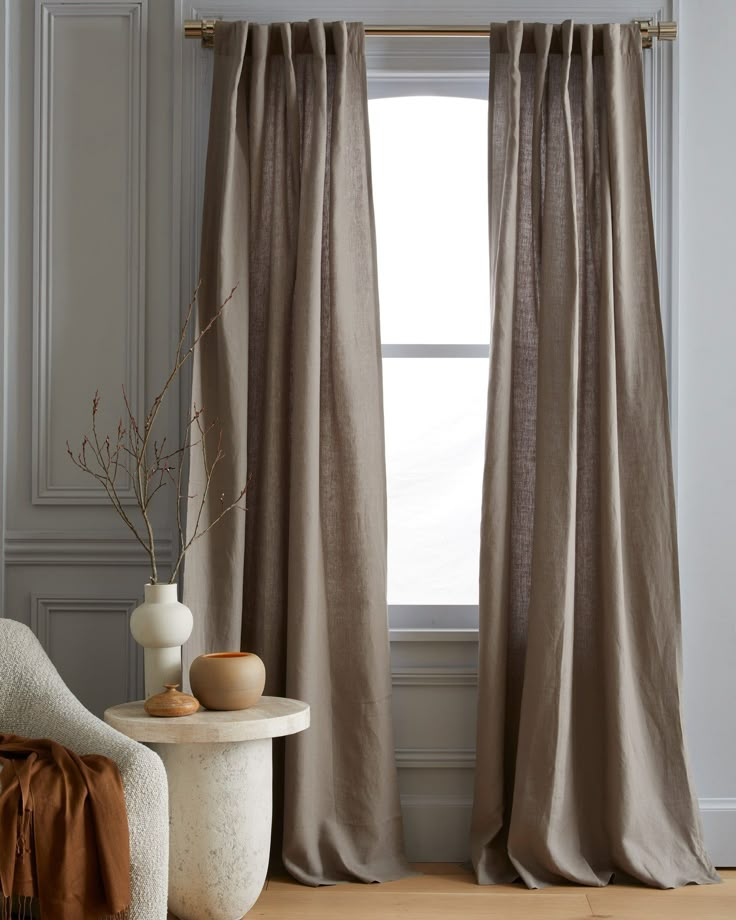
x=294, y=375
x=581, y=770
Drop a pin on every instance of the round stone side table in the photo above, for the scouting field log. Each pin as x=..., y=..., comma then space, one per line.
x=219, y=768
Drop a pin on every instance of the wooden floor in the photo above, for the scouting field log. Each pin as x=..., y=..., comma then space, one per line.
x=448, y=891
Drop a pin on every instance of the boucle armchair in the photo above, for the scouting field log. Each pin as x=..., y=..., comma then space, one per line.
x=35, y=702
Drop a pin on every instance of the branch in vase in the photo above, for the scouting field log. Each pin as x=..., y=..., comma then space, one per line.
x=148, y=463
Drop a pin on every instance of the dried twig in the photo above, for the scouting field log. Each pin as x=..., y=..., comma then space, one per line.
x=149, y=465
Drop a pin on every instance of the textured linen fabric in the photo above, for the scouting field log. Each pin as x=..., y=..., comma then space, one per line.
x=581, y=770
x=294, y=375
x=35, y=702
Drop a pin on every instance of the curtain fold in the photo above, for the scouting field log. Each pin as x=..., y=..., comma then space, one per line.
x=293, y=372
x=581, y=769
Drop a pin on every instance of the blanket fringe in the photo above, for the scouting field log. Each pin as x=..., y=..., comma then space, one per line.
x=16, y=908
x=21, y=908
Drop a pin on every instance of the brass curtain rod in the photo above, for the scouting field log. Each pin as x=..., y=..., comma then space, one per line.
x=650, y=29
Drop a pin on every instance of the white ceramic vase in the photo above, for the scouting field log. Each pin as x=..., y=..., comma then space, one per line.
x=161, y=625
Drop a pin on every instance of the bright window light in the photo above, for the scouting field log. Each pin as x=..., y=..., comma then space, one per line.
x=430, y=196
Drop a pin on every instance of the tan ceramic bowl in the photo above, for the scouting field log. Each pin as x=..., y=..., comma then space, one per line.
x=228, y=680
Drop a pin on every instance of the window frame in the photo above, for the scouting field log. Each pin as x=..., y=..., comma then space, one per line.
x=386, y=83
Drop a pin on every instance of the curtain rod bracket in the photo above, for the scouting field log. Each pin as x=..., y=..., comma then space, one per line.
x=650, y=29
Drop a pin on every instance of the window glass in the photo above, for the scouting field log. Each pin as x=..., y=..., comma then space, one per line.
x=429, y=165
x=430, y=195
x=435, y=411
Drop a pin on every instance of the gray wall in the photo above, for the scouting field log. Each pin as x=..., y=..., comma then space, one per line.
x=707, y=405
x=89, y=303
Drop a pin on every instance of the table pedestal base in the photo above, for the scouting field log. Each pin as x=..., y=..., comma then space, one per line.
x=220, y=820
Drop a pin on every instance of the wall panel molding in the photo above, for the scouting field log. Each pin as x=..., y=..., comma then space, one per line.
x=49, y=485
x=433, y=635
x=434, y=677
x=435, y=758
x=81, y=548
x=661, y=87
x=44, y=608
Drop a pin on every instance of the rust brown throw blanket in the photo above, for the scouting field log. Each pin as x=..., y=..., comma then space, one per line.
x=63, y=832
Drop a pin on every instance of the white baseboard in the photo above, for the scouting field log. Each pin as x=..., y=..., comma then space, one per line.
x=719, y=830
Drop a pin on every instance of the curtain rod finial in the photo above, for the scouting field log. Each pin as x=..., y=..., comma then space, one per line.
x=651, y=29
x=201, y=28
